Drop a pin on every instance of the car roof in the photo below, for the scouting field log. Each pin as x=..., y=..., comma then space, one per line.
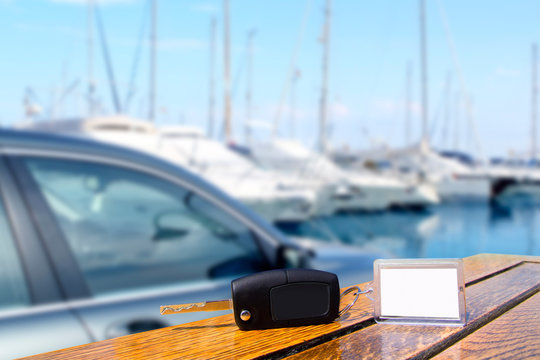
x=20, y=140
x=27, y=139
x=14, y=141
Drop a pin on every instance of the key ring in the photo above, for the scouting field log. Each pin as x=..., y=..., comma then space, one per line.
x=351, y=304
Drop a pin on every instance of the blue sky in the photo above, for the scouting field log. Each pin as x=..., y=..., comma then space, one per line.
x=44, y=46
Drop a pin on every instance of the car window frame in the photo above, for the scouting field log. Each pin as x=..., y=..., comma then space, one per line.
x=66, y=268
x=64, y=265
x=42, y=284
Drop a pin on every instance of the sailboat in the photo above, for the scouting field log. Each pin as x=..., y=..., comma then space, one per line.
x=268, y=194
x=521, y=182
x=346, y=190
x=339, y=190
x=419, y=163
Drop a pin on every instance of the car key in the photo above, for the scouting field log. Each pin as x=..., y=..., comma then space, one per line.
x=276, y=298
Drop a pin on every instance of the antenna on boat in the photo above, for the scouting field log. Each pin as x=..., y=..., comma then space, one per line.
x=324, y=87
x=32, y=107
x=227, y=73
x=66, y=91
x=212, y=81
x=152, y=94
x=534, y=98
x=249, y=83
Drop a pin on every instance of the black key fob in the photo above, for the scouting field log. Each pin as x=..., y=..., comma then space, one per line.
x=285, y=298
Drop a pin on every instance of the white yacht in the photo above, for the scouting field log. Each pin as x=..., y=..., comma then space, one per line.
x=347, y=190
x=267, y=192
x=511, y=183
x=419, y=163
x=505, y=182
x=264, y=192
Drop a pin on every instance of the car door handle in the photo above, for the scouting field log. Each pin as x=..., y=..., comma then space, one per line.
x=133, y=326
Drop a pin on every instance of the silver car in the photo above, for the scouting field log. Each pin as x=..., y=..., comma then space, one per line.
x=94, y=238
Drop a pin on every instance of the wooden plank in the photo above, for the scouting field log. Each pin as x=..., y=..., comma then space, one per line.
x=217, y=337
x=513, y=335
x=480, y=266
x=220, y=338
x=485, y=301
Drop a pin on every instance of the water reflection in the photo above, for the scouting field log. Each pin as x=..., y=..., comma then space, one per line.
x=450, y=230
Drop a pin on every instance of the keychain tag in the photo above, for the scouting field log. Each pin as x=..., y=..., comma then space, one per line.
x=419, y=291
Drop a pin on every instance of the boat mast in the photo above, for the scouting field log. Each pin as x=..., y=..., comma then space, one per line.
x=249, y=83
x=152, y=94
x=423, y=74
x=108, y=63
x=457, y=104
x=212, y=72
x=324, y=87
x=292, y=66
x=463, y=99
x=447, y=109
x=534, y=97
x=294, y=80
x=408, y=94
x=90, y=49
x=227, y=72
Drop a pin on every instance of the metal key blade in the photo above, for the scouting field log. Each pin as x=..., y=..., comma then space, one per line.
x=195, y=307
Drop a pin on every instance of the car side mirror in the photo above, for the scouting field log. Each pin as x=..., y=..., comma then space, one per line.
x=294, y=257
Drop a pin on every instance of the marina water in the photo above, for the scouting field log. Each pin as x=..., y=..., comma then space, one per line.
x=445, y=231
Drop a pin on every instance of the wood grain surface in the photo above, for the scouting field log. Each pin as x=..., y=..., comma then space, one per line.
x=497, y=282
x=485, y=300
x=513, y=335
x=479, y=266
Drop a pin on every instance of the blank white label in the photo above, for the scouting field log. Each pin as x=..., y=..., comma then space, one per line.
x=430, y=293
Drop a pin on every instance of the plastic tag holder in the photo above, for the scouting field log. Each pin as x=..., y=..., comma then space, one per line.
x=412, y=306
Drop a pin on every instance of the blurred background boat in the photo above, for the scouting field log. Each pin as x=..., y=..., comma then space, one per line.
x=453, y=180
x=347, y=190
x=271, y=195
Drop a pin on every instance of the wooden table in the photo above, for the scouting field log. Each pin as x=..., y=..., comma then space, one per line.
x=503, y=312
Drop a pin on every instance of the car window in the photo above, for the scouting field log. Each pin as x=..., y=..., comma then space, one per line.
x=130, y=230
x=13, y=287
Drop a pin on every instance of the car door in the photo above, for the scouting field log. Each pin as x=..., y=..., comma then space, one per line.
x=137, y=240
x=31, y=303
